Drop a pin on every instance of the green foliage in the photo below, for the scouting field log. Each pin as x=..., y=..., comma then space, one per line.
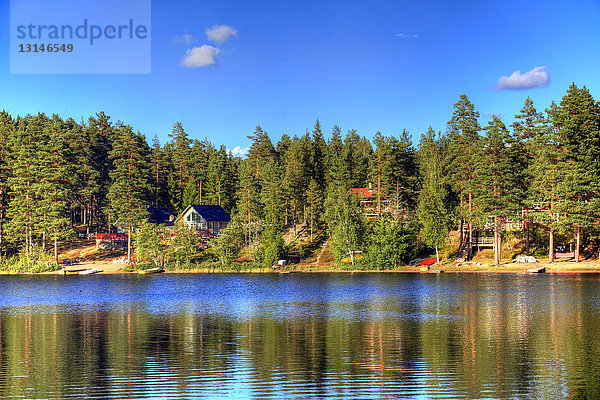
x=271, y=248
x=347, y=225
x=34, y=260
x=230, y=243
x=432, y=212
x=152, y=243
x=392, y=242
x=129, y=192
x=183, y=247
x=463, y=132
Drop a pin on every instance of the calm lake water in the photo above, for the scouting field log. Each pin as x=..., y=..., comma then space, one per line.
x=300, y=336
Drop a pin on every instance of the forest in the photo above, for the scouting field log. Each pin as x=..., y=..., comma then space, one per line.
x=59, y=176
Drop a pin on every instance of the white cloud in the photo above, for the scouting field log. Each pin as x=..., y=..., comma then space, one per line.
x=220, y=33
x=185, y=38
x=203, y=56
x=537, y=77
x=239, y=151
x=406, y=36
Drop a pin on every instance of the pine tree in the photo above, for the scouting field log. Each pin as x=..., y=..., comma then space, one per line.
x=221, y=171
x=336, y=174
x=357, y=153
x=261, y=150
x=96, y=145
x=249, y=203
x=530, y=129
x=22, y=211
x=546, y=175
x=315, y=206
x=159, y=174
x=179, y=153
x=463, y=131
x=7, y=126
x=129, y=192
x=495, y=180
x=296, y=178
x=577, y=121
x=52, y=187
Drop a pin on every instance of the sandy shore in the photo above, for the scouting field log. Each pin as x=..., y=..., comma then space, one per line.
x=108, y=267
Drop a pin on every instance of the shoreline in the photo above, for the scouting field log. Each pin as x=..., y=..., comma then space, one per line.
x=561, y=267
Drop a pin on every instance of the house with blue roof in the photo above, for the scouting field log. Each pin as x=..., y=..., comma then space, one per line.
x=208, y=218
x=161, y=216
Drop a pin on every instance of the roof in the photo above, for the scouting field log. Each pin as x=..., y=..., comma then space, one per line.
x=209, y=212
x=160, y=216
x=362, y=192
x=365, y=192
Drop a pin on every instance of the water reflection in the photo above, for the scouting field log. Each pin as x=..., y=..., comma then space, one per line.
x=329, y=335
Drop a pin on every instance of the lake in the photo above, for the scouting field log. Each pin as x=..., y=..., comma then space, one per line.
x=371, y=335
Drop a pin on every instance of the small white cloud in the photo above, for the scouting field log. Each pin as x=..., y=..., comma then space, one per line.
x=239, y=151
x=406, y=35
x=220, y=33
x=537, y=77
x=185, y=38
x=203, y=56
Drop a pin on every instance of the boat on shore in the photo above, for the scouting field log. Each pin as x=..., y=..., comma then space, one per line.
x=90, y=271
x=72, y=271
x=150, y=271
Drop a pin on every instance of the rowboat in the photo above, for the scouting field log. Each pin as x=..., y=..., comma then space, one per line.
x=73, y=271
x=90, y=271
x=150, y=271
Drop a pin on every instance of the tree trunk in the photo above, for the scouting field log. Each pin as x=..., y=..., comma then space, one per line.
x=551, y=251
x=460, y=233
x=437, y=256
x=129, y=244
x=577, y=238
x=527, y=239
x=56, y=251
x=470, y=252
x=497, y=242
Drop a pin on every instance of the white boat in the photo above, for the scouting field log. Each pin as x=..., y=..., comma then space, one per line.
x=90, y=271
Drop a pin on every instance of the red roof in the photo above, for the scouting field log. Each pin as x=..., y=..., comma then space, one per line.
x=364, y=192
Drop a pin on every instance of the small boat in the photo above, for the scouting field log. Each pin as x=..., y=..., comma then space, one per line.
x=537, y=270
x=73, y=271
x=90, y=271
x=150, y=271
x=436, y=271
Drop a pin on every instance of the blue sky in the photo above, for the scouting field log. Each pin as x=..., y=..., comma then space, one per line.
x=365, y=65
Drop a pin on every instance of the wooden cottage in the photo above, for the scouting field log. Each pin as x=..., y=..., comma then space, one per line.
x=208, y=219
